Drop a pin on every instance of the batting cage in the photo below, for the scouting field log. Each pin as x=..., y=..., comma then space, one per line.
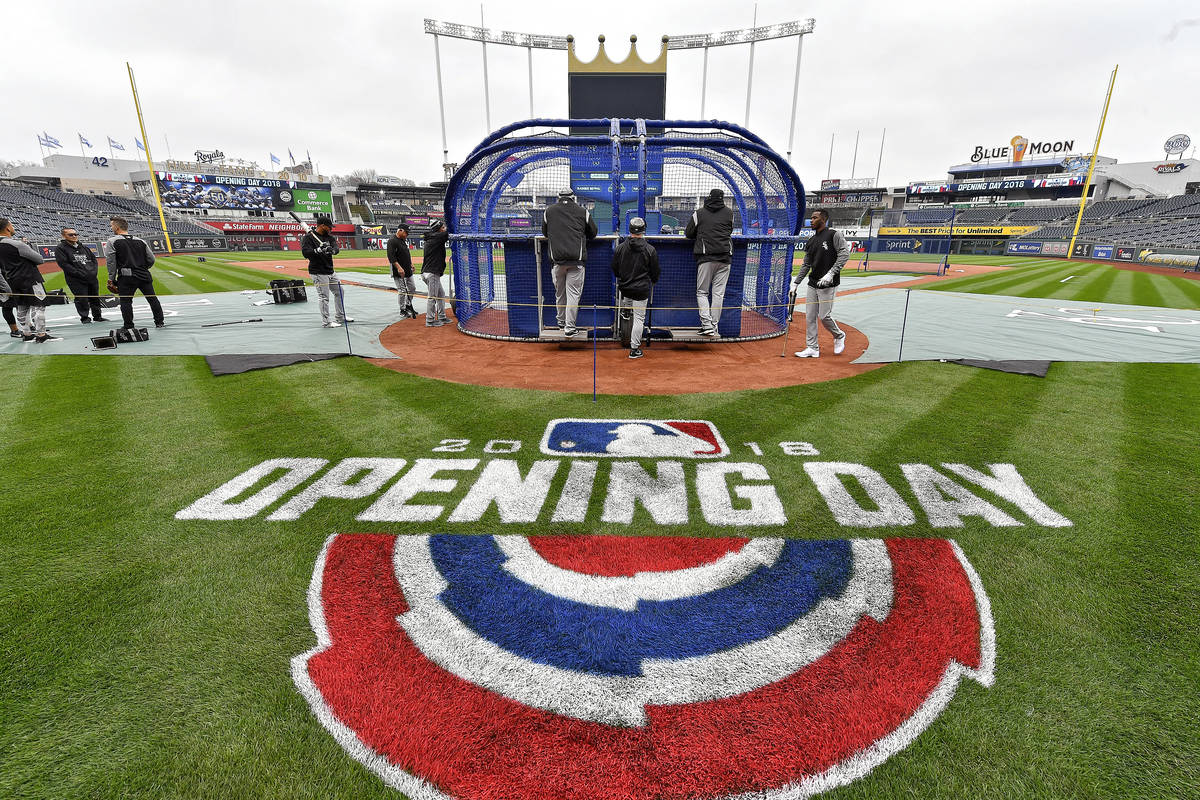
x=658, y=170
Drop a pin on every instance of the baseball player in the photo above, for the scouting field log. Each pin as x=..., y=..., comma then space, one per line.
x=568, y=228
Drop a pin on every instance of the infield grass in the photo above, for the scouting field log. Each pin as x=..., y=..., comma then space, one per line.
x=145, y=656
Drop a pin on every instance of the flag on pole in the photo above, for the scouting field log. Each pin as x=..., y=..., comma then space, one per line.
x=291, y=157
x=140, y=146
x=46, y=140
x=275, y=159
x=84, y=141
x=114, y=144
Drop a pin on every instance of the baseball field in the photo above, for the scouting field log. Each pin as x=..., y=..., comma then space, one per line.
x=156, y=590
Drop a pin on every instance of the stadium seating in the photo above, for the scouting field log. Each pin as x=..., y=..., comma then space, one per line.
x=1041, y=213
x=981, y=215
x=40, y=215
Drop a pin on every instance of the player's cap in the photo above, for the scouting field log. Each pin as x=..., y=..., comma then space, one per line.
x=401, y=227
x=665, y=229
x=325, y=221
x=637, y=225
x=717, y=193
x=435, y=225
x=565, y=193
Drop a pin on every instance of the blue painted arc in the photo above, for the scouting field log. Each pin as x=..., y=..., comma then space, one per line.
x=551, y=630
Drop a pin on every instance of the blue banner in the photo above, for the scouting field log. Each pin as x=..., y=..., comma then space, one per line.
x=1102, y=251
x=1024, y=248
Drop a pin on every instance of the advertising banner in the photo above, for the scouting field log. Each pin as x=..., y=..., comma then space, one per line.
x=1102, y=251
x=850, y=198
x=234, y=226
x=184, y=243
x=1125, y=254
x=1002, y=185
x=1024, y=248
x=1055, y=248
x=1081, y=250
x=1168, y=258
x=234, y=192
x=959, y=230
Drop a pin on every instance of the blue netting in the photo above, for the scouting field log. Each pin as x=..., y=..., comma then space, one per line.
x=496, y=201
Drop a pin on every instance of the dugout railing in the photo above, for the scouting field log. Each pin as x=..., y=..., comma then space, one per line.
x=619, y=168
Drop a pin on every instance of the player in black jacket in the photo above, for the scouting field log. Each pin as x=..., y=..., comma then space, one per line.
x=711, y=228
x=635, y=263
x=319, y=246
x=568, y=228
x=81, y=270
x=433, y=267
x=824, y=256
x=402, y=271
x=19, y=265
x=129, y=263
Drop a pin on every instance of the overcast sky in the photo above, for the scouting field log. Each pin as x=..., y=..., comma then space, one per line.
x=354, y=82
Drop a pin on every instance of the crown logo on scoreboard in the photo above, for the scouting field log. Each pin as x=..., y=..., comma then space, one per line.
x=603, y=64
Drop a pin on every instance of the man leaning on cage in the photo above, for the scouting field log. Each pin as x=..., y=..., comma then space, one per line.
x=568, y=228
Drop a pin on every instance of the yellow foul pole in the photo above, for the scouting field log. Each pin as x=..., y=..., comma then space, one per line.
x=162, y=218
x=1087, y=183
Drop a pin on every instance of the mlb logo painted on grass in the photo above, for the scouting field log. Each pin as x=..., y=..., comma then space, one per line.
x=627, y=667
x=633, y=438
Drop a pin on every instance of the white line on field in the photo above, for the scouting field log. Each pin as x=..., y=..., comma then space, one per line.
x=173, y=272
x=1064, y=280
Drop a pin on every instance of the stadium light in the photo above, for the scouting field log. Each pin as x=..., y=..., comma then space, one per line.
x=692, y=41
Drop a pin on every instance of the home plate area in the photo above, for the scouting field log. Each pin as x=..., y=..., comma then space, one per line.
x=636, y=667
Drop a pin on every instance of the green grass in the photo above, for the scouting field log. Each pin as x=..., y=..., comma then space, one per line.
x=145, y=656
x=1093, y=283
x=148, y=657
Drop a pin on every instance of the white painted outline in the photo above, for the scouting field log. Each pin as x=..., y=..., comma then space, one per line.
x=413, y=786
x=841, y=774
x=545, y=443
x=621, y=700
x=624, y=592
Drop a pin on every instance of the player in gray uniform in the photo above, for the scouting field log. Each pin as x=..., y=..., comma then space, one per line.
x=568, y=228
x=824, y=256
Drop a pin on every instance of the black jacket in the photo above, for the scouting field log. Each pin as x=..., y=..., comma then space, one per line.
x=19, y=264
x=635, y=263
x=825, y=251
x=398, y=255
x=76, y=260
x=128, y=257
x=319, y=250
x=711, y=227
x=434, y=260
x=568, y=227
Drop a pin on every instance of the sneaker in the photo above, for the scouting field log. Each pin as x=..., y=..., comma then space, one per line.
x=330, y=325
x=160, y=324
x=348, y=319
x=29, y=337
x=839, y=344
x=809, y=352
x=709, y=332
x=45, y=337
x=570, y=333
x=433, y=323
x=15, y=334
x=85, y=320
x=100, y=319
x=636, y=353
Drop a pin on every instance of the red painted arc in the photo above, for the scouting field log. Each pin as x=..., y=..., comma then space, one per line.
x=477, y=745
x=614, y=556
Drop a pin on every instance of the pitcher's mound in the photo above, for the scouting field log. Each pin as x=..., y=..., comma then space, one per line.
x=667, y=368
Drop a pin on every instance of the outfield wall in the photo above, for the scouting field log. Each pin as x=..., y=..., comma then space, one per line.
x=1149, y=255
